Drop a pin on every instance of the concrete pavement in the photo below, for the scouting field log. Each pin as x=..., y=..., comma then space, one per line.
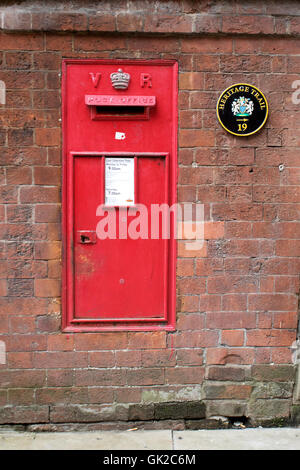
x=222, y=439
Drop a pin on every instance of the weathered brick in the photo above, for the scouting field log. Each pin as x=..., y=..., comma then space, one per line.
x=24, y=414
x=273, y=373
x=47, y=137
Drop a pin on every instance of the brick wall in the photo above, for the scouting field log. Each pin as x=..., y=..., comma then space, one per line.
x=237, y=308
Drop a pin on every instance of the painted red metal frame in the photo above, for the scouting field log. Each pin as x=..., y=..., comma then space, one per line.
x=68, y=323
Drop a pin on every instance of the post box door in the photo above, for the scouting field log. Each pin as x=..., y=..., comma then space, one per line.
x=118, y=278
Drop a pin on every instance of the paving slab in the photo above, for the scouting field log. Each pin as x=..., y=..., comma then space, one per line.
x=238, y=439
x=106, y=440
x=225, y=439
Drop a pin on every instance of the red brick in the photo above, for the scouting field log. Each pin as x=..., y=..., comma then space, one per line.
x=47, y=175
x=16, y=20
x=264, y=320
x=47, y=213
x=60, y=377
x=232, y=338
x=230, y=355
x=16, y=79
x=263, y=355
x=276, y=302
x=46, y=99
x=192, y=249
x=197, y=339
x=191, y=321
x=206, y=63
x=146, y=376
x=189, y=357
x=237, y=211
x=27, y=379
x=25, y=414
x=19, y=360
x=59, y=42
x=20, y=137
x=18, y=98
x=281, y=355
x=46, y=60
x=227, y=373
x=148, y=340
x=50, y=323
x=167, y=23
x=210, y=302
x=149, y=44
x=270, y=337
x=22, y=325
x=19, y=175
x=126, y=395
x=158, y=358
x=191, y=81
x=185, y=267
x=98, y=44
x=288, y=248
x=100, y=377
x=191, y=286
x=3, y=287
x=25, y=306
x=21, y=396
x=54, y=269
x=190, y=119
x=128, y=358
x=287, y=284
x=18, y=60
x=23, y=42
x=102, y=359
x=208, y=266
x=248, y=24
x=189, y=303
x=61, y=359
x=101, y=395
x=100, y=341
x=226, y=284
x=59, y=21
x=47, y=137
x=195, y=175
x=102, y=22
x=47, y=287
x=285, y=320
x=47, y=250
x=228, y=391
x=61, y=395
x=206, y=45
x=227, y=320
x=185, y=375
x=196, y=138
x=60, y=342
x=36, y=194
x=19, y=213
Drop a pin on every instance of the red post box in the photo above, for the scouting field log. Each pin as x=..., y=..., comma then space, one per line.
x=119, y=161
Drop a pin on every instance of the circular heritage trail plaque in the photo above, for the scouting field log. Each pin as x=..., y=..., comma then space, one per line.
x=242, y=109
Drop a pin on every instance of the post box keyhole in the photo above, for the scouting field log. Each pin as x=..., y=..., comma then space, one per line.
x=84, y=239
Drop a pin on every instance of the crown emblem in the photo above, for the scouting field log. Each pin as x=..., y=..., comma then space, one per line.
x=242, y=106
x=120, y=80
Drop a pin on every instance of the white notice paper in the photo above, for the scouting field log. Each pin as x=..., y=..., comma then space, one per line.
x=119, y=181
